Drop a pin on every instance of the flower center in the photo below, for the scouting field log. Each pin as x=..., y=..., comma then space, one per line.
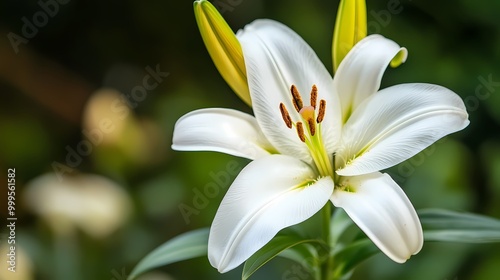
x=311, y=136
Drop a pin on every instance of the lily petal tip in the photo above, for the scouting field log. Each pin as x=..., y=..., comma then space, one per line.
x=399, y=58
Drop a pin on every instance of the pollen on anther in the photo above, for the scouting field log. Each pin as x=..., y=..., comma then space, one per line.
x=312, y=126
x=300, y=132
x=297, y=100
x=285, y=115
x=321, y=113
x=314, y=96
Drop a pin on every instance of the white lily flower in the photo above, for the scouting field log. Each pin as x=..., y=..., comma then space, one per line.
x=315, y=139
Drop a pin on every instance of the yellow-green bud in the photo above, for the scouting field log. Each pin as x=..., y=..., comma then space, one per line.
x=223, y=47
x=350, y=28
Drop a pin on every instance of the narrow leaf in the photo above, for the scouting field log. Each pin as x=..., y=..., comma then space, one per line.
x=349, y=257
x=279, y=244
x=450, y=226
x=186, y=246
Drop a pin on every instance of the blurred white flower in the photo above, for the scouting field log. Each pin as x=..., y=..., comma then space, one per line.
x=106, y=116
x=23, y=264
x=109, y=121
x=93, y=203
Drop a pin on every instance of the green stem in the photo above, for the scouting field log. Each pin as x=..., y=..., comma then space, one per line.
x=327, y=264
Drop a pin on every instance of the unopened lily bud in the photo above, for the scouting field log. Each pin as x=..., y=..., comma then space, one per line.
x=350, y=28
x=223, y=47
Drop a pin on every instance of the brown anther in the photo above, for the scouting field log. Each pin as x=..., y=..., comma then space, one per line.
x=321, y=113
x=285, y=115
x=297, y=100
x=312, y=126
x=314, y=96
x=300, y=132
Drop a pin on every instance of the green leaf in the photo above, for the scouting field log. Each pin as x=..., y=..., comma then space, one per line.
x=450, y=226
x=277, y=245
x=307, y=256
x=349, y=257
x=340, y=225
x=186, y=246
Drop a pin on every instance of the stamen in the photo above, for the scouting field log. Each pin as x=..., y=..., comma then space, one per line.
x=297, y=100
x=314, y=96
x=308, y=128
x=285, y=115
x=312, y=126
x=300, y=132
x=321, y=113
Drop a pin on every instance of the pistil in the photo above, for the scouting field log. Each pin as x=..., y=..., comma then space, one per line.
x=312, y=135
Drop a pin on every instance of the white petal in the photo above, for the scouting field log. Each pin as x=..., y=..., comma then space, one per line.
x=220, y=130
x=397, y=123
x=361, y=71
x=268, y=195
x=277, y=58
x=381, y=209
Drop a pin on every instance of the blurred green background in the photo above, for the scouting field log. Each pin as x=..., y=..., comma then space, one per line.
x=97, y=185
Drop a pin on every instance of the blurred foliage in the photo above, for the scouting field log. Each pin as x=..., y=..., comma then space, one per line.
x=86, y=46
